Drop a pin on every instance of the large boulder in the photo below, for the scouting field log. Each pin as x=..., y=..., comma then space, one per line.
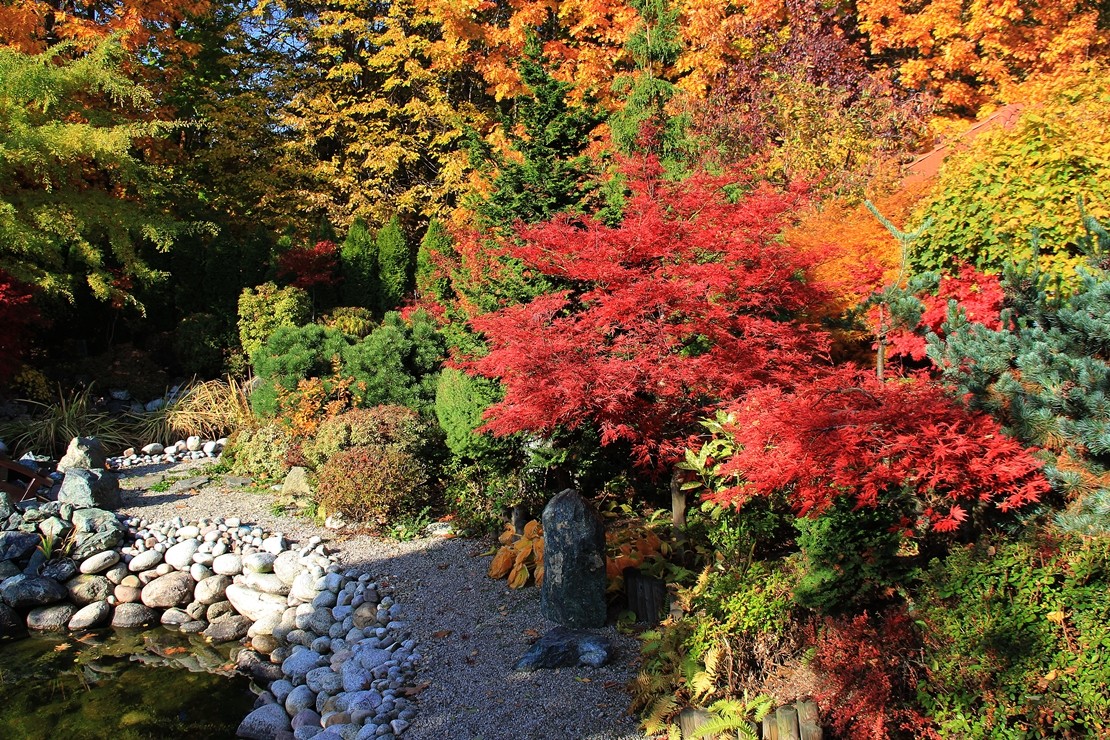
x=97, y=530
x=573, y=591
x=23, y=591
x=264, y=723
x=53, y=618
x=90, y=488
x=84, y=453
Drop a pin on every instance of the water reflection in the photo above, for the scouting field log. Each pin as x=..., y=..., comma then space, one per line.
x=120, y=685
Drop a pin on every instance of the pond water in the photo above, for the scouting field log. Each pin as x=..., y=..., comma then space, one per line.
x=120, y=685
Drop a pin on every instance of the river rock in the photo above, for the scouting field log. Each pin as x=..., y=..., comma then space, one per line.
x=87, y=589
x=304, y=587
x=117, y=573
x=287, y=566
x=299, y=699
x=83, y=453
x=228, y=564
x=22, y=591
x=145, y=560
x=172, y=589
x=193, y=443
x=50, y=618
x=133, y=615
x=228, y=629
x=17, y=545
x=99, y=562
x=562, y=647
x=264, y=723
x=300, y=662
x=90, y=616
x=96, y=487
x=573, y=591
x=154, y=448
x=265, y=582
x=8, y=569
x=259, y=562
x=253, y=604
x=220, y=609
x=212, y=589
x=127, y=594
x=175, y=616
x=180, y=556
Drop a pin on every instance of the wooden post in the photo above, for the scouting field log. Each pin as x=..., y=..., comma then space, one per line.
x=770, y=727
x=787, y=720
x=809, y=725
x=678, y=506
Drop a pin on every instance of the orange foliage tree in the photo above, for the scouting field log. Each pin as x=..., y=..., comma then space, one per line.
x=967, y=52
x=35, y=25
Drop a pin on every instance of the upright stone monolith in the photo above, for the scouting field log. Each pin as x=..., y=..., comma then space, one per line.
x=573, y=592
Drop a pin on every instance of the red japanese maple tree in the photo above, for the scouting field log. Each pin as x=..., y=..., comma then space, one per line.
x=689, y=302
x=848, y=434
x=311, y=267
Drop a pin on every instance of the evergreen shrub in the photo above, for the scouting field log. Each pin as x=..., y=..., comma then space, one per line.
x=266, y=308
x=259, y=453
x=292, y=354
x=374, y=483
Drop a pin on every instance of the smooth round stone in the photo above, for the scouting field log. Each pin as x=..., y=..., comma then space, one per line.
x=219, y=548
x=144, y=561
x=227, y=565
x=259, y=562
x=172, y=589
x=265, y=625
x=299, y=699
x=194, y=627
x=324, y=679
x=274, y=545
x=87, y=589
x=212, y=589
x=199, y=572
x=99, y=562
x=204, y=558
x=218, y=610
x=176, y=616
x=133, y=615
x=116, y=573
x=297, y=665
x=164, y=569
x=188, y=532
x=265, y=643
x=306, y=718
x=53, y=618
x=90, y=616
x=127, y=594
x=180, y=556
x=147, y=576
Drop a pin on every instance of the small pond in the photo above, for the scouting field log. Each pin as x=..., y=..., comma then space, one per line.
x=120, y=685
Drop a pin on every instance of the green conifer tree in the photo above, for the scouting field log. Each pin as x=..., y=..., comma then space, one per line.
x=395, y=265
x=358, y=264
x=550, y=173
x=431, y=283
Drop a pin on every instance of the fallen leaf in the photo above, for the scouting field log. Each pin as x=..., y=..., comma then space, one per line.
x=531, y=633
x=582, y=679
x=440, y=634
x=63, y=646
x=414, y=690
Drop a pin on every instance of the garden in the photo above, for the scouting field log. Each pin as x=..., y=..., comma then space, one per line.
x=810, y=300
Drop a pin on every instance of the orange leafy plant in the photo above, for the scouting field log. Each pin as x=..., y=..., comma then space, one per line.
x=520, y=557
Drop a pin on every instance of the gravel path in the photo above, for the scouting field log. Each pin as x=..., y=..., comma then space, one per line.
x=471, y=629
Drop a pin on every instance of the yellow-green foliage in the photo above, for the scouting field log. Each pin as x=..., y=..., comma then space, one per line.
x=1011, y=181
x=376, y=484
x=260, y=453
x=265, y=309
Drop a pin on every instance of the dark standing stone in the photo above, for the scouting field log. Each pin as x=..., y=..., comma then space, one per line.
x=95, y=488
x=562, y=647
x=573, y=592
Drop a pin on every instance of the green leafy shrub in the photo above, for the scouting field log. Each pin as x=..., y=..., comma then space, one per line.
x=354, y=321
x=198, y=344
x=266, y=308
x=380, y=426
x=292, y=354
x=376, y=484
x=849, y=558
x=459, y=404
x=1017, y=639
x=260, y=453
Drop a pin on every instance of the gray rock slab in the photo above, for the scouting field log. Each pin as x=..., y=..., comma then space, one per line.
x=23, y=591
x=53, y=618
x=562, y=647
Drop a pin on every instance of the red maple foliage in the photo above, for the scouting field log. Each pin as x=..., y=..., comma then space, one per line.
x=980, y=296
x=848, y=434
x=689, y=302
x=868, y=670
x=311, y=267
x=17, y=316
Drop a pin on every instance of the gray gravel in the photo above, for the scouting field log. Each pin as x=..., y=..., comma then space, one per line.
x=471, y=629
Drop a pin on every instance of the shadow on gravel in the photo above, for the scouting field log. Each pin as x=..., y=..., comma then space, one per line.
x=140, y=499
x=471, y=630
